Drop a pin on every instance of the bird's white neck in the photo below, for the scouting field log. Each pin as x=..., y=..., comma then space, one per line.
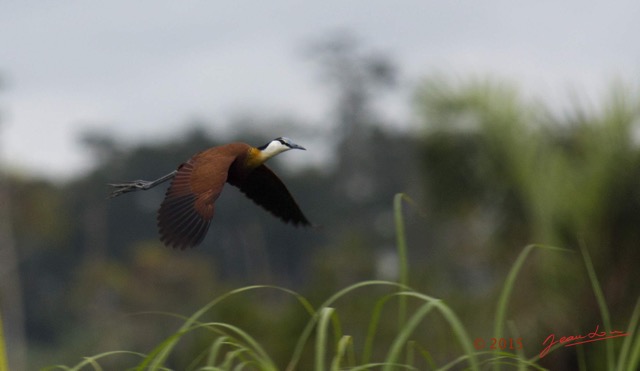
x=273, y=148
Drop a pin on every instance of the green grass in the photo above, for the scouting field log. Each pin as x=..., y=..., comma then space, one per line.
x=629, y=357
x=3, y=354
x=234, y=348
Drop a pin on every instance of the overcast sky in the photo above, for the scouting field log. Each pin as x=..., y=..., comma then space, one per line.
x=142, y=69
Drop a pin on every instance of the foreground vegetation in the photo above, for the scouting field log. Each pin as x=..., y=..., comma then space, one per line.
x=328, y=346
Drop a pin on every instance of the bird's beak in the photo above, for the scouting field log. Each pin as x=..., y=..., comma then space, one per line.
x=296, y=146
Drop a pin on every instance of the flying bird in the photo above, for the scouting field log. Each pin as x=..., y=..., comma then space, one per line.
x=189, y=203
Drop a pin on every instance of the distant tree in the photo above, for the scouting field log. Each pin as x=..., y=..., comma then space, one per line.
x=101, y=145
x=357, y=76
x=11, y=299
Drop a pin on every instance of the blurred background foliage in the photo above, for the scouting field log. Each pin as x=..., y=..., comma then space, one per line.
x=491, y=171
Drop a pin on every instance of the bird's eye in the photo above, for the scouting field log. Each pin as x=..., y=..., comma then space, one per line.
x=283, y=141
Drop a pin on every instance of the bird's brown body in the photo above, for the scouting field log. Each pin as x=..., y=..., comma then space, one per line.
x=189, y=204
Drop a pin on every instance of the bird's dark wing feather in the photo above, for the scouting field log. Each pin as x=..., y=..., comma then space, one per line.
x=267, y=190
x=186, y=212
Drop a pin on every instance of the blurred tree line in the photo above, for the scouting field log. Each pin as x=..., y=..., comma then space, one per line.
x=490, y=172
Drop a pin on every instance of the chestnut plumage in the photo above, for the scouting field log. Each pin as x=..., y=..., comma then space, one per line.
x=186, y=212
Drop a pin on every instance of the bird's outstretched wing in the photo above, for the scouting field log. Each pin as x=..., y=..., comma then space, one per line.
x=185, y=214
x=267, y=190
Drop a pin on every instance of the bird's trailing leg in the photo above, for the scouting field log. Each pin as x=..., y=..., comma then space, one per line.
x=137, y=185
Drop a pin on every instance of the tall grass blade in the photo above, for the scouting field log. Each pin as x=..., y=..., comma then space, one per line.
x=4, y=366
x=160, y=354
x=369, y=366
x=306, y=333
x=632, y=330
x=634, y=360
x=93, y=360
x=401, y=246
x=456, y=326
x=505, y=295
x=519, y=351
x=426, y=356
x=582, y=359
x=402, y=338
x=230, y=357
x=345, y=345
x=372, y=328
x=503, y=300
x=216, y=347
x=602, y=303
x=496, y=357
x=321, y=337
x=631, y=344
x=401, y=240
x=403, y=270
